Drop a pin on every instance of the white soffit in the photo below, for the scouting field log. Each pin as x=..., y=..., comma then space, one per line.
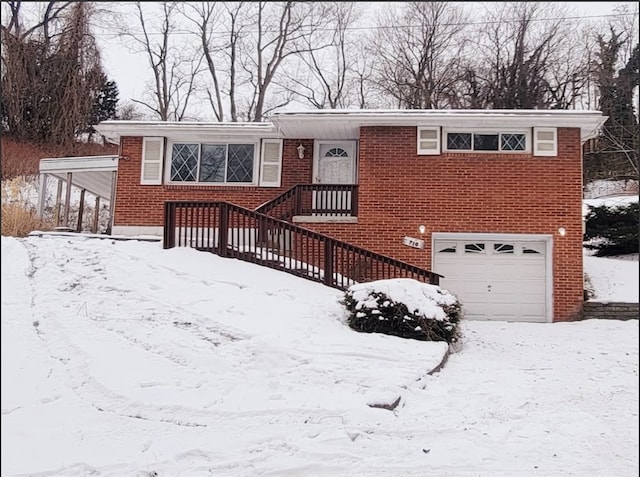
x=345, y=124
x=92, y=173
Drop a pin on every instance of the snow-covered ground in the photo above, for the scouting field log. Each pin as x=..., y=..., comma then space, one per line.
x=612, y=278
x=123, y=359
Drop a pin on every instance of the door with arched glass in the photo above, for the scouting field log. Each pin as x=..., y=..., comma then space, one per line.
x=335, y=164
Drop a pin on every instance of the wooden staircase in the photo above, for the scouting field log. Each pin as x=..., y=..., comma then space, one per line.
x=232, y=231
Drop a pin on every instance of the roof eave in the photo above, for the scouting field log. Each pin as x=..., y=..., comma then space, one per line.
x=117, y=129
x=587, y=121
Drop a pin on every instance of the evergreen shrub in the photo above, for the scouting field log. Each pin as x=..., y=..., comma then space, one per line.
x=612, y=230
x=404, y=307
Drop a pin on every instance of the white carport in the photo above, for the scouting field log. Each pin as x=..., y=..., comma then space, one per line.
x=93, y=174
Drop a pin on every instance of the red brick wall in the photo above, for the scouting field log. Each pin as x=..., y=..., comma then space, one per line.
x=474, y=193
x=399, y=190
x=143, y=205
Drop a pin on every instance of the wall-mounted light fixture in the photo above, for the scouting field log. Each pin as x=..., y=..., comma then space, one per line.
x=300, y=149
x=422, y=229
x=562, y=231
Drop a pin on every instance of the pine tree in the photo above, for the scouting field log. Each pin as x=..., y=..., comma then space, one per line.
x=105, y=103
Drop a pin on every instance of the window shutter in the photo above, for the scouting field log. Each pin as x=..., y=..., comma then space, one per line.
x=545, y=142
x=152, y=154
x=271, y=167
x=428, y=141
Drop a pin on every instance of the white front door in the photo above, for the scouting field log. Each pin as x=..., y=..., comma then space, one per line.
x=335, y=163
x=495, y=279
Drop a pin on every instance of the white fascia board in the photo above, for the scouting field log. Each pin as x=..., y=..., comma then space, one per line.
x=78, y=164
x=191, y=131
x=587, y=121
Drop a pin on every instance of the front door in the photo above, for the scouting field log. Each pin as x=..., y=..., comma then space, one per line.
x=335, y=164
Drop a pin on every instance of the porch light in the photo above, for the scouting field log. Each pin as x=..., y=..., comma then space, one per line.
x=300, y=149
x=562, y=231
x=422, y=229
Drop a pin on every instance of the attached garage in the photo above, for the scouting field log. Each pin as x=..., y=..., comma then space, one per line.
x=497, y=277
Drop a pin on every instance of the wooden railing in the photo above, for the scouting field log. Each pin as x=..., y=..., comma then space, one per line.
x=232, y=231
x=314, y=200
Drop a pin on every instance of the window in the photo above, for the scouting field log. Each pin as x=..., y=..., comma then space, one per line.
x=474, y=141
x=336, y=152
x=213, y=163
x=474, y=248
x=499, y=248
x=529, y=250
x=448, y=247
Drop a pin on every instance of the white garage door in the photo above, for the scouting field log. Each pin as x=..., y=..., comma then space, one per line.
x=494, y=279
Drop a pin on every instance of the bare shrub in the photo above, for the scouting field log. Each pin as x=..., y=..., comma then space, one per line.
x=18, y=221
x=19, y=215
x=22, y=159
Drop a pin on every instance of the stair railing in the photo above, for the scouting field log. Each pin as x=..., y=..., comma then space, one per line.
x=232, y=231
x=314, y=200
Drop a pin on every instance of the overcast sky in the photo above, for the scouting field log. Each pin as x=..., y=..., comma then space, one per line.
x=131, y=72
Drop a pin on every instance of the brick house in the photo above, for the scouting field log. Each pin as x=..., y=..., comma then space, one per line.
x=490, y=199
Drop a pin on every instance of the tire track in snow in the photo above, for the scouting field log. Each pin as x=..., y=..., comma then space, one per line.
x=62, y=311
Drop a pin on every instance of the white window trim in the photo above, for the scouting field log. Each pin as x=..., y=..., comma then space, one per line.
x=429, y=152
x=526, y=132
x=256, y=172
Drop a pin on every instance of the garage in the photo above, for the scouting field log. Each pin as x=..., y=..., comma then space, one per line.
x=496, y=277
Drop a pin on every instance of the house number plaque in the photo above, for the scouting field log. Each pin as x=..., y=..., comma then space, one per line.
x=413, y=242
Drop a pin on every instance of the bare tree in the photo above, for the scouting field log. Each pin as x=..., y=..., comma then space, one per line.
x=568, y=78
x=278, y=31
x=327, y=73
x=219, y=28
x=129, y=112
x=246, y=46
x=614, y=154
x=518, y=46
x=626, y=22
x=417, y=53
x=51, y=72
x=362, y=81
x=174, y=65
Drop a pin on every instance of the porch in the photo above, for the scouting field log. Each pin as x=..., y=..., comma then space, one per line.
x=315, y=203
x=95, y=175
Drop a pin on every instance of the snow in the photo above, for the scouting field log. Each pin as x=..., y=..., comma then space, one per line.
x=613, y=279
x=606, y=188
x=120, y=358
x=420, y=298
x=613, y=201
